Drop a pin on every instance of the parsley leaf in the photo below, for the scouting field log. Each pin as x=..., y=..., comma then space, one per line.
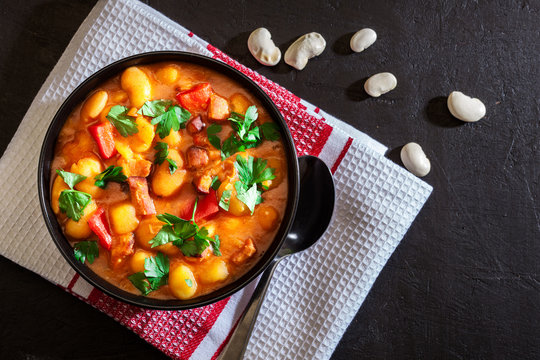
x=215, y=245
x=173, y=119
x=154, y=108
x=243, y=124
x=86, y=250
x=162, y=152
x=215, y=184
x=189, y=282
x=73, y=203
x=231, y=146
x=112, y=173
x=249, y=196
x=186, y=235
x=225, y=199
x=172, y=166
x=140, y=281
x=122, y=121
x=251, y=172
x=70, y=179
x=214, y=129
x=270, y=131
x=155, y=274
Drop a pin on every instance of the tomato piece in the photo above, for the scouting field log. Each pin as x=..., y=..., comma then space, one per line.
x=103, y=135
x=98, y=224
x=140, y=198
x=196, y=98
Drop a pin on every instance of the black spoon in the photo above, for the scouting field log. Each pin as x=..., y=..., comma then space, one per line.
x=315, y=209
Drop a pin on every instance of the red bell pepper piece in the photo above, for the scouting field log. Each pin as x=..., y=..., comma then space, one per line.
x=103, y=135
x=207, y=207
x=196, y=98
x=187, y=211
x=140, y=198
x=98, y=224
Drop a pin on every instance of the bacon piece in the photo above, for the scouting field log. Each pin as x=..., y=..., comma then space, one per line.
x=140, y=198
x=245, y=252
x=122, y=247
x=219, y=108
x=195, y=125
x=135, y=167
x=197, y=157
x=202, y=182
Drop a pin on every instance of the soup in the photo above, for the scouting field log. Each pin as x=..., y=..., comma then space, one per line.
x=169, y=180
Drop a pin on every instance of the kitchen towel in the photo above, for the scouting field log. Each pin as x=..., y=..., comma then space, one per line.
x=313, y=296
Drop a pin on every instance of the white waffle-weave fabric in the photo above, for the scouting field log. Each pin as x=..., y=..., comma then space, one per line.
x=303, y=316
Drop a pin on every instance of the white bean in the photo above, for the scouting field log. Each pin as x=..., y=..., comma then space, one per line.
x=380, y=83
x=363, y=39
x=465, y=108
x=304, y=48
x=415, y=160
x=262, y=47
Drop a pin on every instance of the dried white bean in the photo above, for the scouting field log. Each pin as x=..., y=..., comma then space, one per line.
x=262, y=47
x=380, y=83
x=363, y=39
x=465, y=108
x=304, y=48
x=415, y=160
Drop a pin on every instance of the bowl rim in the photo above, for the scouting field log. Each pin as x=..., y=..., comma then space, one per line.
x=80, y=93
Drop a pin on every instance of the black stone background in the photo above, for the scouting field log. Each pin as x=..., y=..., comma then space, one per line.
x=465, y=281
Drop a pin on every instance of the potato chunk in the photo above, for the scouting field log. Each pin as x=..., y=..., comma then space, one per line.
x=268, y=217
x=142, y=140
x=239, y=103
x=80, y=229
x=58, y=186
x=167, y=75
x=182, y=282
x=135, y=82
x=163, y=182
x=136, y=262
x=147, y=230
x=123, y=217
x=89, y=167
x=214, y=271
x=94, y=105
x=236, y=207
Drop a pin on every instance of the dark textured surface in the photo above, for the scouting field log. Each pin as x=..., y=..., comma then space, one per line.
x=465, y=282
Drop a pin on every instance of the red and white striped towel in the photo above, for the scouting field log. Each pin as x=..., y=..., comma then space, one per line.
x=376, y=203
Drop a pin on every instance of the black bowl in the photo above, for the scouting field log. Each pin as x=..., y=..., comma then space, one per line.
x=47, y=154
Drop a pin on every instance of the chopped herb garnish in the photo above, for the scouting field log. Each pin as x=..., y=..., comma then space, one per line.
x=173, y=119
x=72, y=202
x=186, y=235
x=189, y=282
x=161, y=156
x=215, y=184
x=251, y=173
x=154, y=108
x=155, y=274
x=225, y=199
x=212, y=130
x=71, y=179
x=86, y=250
x=162, y=152
x=270, y=131
x=172, y=166
x=112, y=173
x=244, y=123
x=124, y=123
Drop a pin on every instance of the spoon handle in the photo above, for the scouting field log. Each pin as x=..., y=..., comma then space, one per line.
x=236, y=347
